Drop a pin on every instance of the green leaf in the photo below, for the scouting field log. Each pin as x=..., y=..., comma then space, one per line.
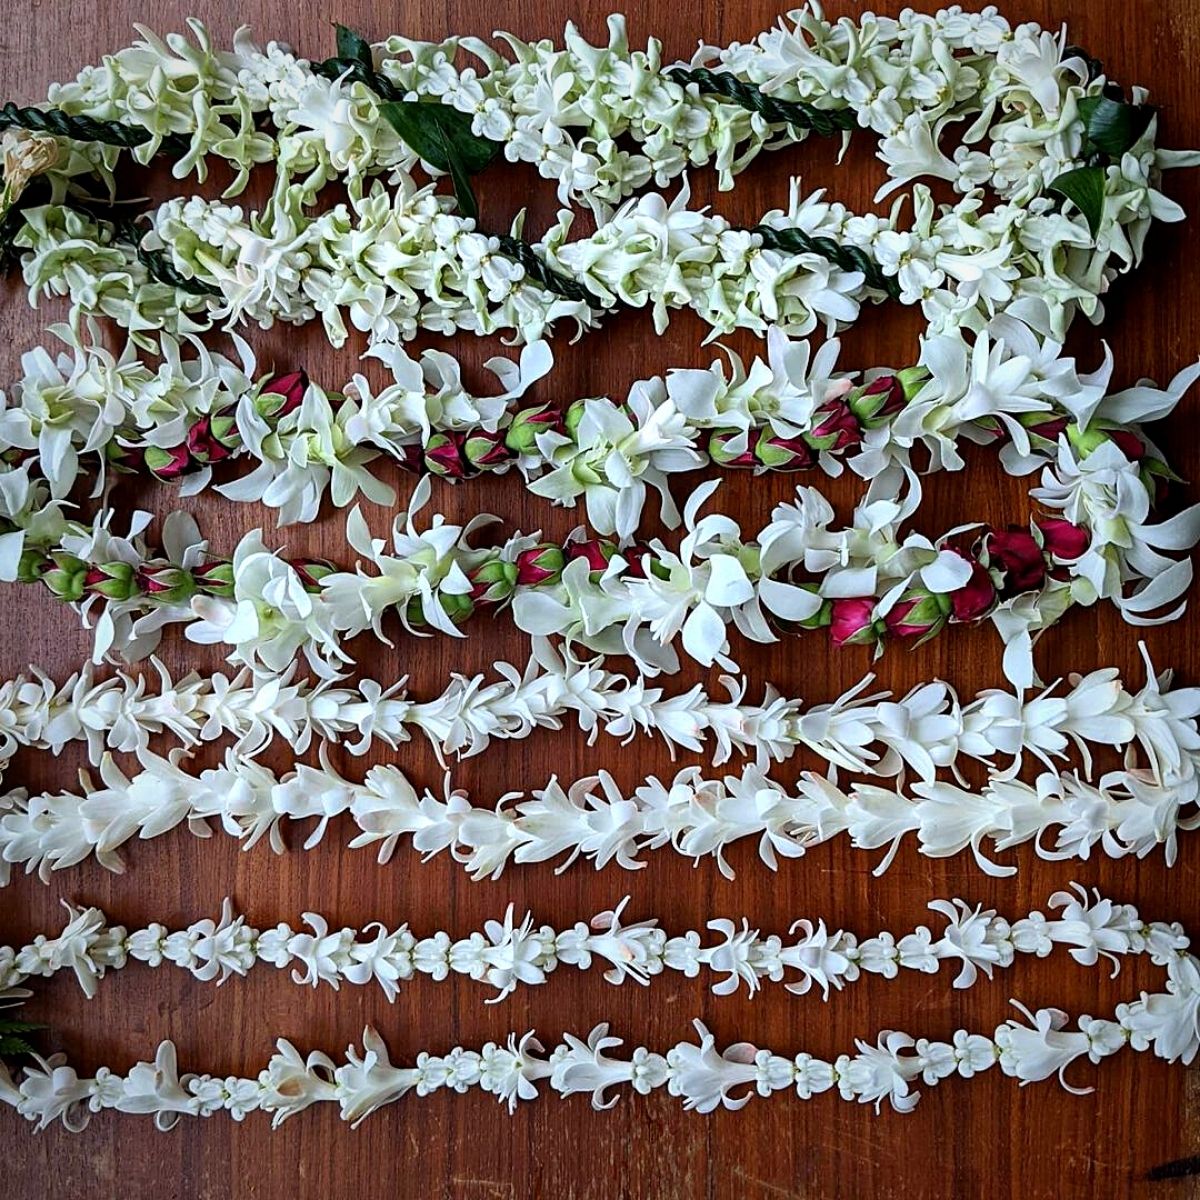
x=438, y=132
x=19, y=1026
x=1084, y=187
x=1113, y=126
x=465, y=194
x=14, y=1045
x=354, y=46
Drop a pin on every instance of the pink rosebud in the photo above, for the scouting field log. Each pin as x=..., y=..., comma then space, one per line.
x=784, y=454
x=1049, y=428
x=540, y=564
x=880, y=399
x=1063, y=539
x=838, y=429
x=291, y=387
x=595, y=551
x=412, y=457
x=1017, y=554
x=976, y=597
x=720, y=452
x=915, y=614
x=167, y=463
x=203, y=446
x=443, y=455
x=852, y=622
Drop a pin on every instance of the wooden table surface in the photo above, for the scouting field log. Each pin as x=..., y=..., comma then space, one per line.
x=986, y=1137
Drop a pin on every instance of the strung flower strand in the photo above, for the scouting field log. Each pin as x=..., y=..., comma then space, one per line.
x=1042, y=123
x=1032, y=1048
x=867, y=733
x=509, y=954
x=1133, y=811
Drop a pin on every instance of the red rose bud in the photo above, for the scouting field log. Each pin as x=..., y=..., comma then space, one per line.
x=311, y=571
x=720, y=451
x=838, y=429
x=487, y=451
x=443, y=456
x=784, y=454
x=114, y=581
x=521, y=436
x=1063, y=539
x=976, y=597
x=1128, y=443
x=283, y=394
x=880, y=399
x=203, y=446
x=916, y=614
x=539, y=565
x=492, y=582
x=852, y=622
x=214, y=578
x=1017, y=553
x=166, y=465
x=412, y=457
x=595, y=551
x=167, y=585
x=1045, y=426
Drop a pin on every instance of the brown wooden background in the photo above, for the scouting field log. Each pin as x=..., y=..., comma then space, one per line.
x=983, y=1138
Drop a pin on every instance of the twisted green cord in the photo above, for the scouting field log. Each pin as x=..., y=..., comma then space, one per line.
x=81, y=128
x=821, y=121
x=849, y=258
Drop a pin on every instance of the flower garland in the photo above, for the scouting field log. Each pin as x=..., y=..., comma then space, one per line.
x=865, y=581
x=927, y=730
x=1057, y=128
x=508, y=954
x=786, y=412
x=706, y=1079
x=1133, y=810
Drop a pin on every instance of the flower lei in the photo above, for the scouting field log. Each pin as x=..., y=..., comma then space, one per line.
x=509, y=954
x=1166, y=1023
x=1057, y=129
x=1074, y=174
x=925, y=731
x=1063, y=813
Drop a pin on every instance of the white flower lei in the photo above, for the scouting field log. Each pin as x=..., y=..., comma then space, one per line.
x=509, y=954
x=925, y=731
x=1166, y=1023
x=1065, y=814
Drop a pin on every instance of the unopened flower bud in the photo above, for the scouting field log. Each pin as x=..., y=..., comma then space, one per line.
x=918, y=613
x=444, y=456
x=521, y=436
x=492, y=582
x=114, y=581
x=596, y=551
x=852, y=622
x=879, y=401
x=733, y=447
x=215, y=578
x=487, y=451
x=282, y=395
x=539, y=565
x=311, y=571
x=837, y=429
x=784, y=454
x=167, y=464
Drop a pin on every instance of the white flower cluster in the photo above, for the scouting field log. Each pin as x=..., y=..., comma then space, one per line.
x=508, y=954
x=925, y=731
x=1064, y=814
x=1034, y=1049
x=570, y=111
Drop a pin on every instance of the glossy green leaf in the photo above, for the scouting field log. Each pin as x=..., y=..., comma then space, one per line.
x=1113, y=126
x=1084, y=187
x=467, y=204
x=354, y=47
x=439, y=133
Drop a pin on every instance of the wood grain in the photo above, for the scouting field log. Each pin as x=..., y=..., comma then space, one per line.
x=984, y=1138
